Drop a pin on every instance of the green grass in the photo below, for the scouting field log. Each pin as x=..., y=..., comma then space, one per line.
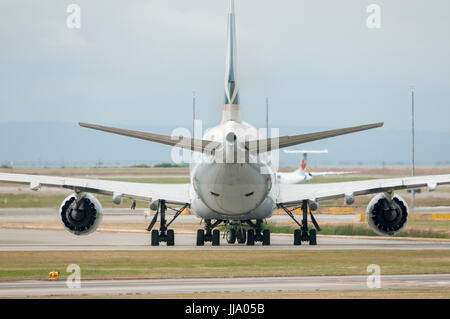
x=424, y=230
x=41, y=200
x=36, y=265
x=170, y=165
x=326, y=179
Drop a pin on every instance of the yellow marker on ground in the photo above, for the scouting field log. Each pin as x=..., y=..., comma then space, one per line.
x=53, y=275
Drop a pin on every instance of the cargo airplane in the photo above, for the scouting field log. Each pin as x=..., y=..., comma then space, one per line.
x=232, y=183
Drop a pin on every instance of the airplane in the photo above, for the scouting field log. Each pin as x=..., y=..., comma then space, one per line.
x=300, y=175
x=232, y=183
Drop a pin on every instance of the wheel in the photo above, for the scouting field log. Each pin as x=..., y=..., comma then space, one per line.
x=251, y=237
x=231, y=236
x=312, y=237
x=216, y=237
x=266, y=237
x=241, y=236
x=297, y=237
x=200, y=237
x=170, y=238
x=155, y=237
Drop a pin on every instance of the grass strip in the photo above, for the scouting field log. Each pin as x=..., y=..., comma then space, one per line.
x=419, y=230
x=35, y=265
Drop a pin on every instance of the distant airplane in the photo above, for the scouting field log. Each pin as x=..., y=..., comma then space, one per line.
x=232, y=183
x=300, y=175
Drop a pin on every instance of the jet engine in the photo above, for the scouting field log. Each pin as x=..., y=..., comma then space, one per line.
x=387, y=216
x=82, y=215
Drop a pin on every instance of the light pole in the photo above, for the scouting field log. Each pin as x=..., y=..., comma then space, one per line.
x=412, y=151
x=193, y=114
x=267, y=117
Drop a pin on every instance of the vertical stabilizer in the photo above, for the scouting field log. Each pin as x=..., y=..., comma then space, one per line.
x=231, y=107
x=304, y=153
x=303, y=162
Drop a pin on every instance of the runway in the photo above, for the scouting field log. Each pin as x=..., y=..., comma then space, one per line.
x=29, y=240
x=186, y=286
x=59, y=240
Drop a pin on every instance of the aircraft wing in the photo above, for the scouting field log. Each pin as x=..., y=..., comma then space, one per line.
x=293, y=194
x=172, y=193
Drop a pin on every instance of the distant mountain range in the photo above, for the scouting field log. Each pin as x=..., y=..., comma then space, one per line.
x=57, y=144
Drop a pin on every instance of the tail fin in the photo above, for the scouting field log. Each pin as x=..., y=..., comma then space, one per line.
x=231, y=107
x=303, y=162
x=304, y=153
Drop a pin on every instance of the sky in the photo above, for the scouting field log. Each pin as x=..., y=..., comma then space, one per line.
x=135, y=63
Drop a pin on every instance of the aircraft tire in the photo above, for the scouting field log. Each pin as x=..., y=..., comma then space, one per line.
x=297, y=237
x=231, y=236
x=266, y=237
x=170, y=237
x=216, y=237
x=200, y=237
x=155, y=237
x=251, y=237
x=312, y=237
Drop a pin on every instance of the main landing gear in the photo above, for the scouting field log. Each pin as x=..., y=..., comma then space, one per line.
x=209, y=233
x=257, y=234
x=303, y=234
x=235, y=234
x=164, y=234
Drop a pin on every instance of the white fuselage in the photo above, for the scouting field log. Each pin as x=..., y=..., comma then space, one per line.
x=295, y=177
x=232, y=185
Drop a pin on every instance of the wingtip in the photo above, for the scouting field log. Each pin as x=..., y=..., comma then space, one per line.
x=374, y=125
x=85, y=124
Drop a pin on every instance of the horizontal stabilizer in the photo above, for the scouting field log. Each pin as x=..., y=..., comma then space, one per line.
x=267, y=145
x=178, y=141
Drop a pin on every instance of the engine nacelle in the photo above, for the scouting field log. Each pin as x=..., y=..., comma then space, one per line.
x=387, y=217
x=81, y=217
